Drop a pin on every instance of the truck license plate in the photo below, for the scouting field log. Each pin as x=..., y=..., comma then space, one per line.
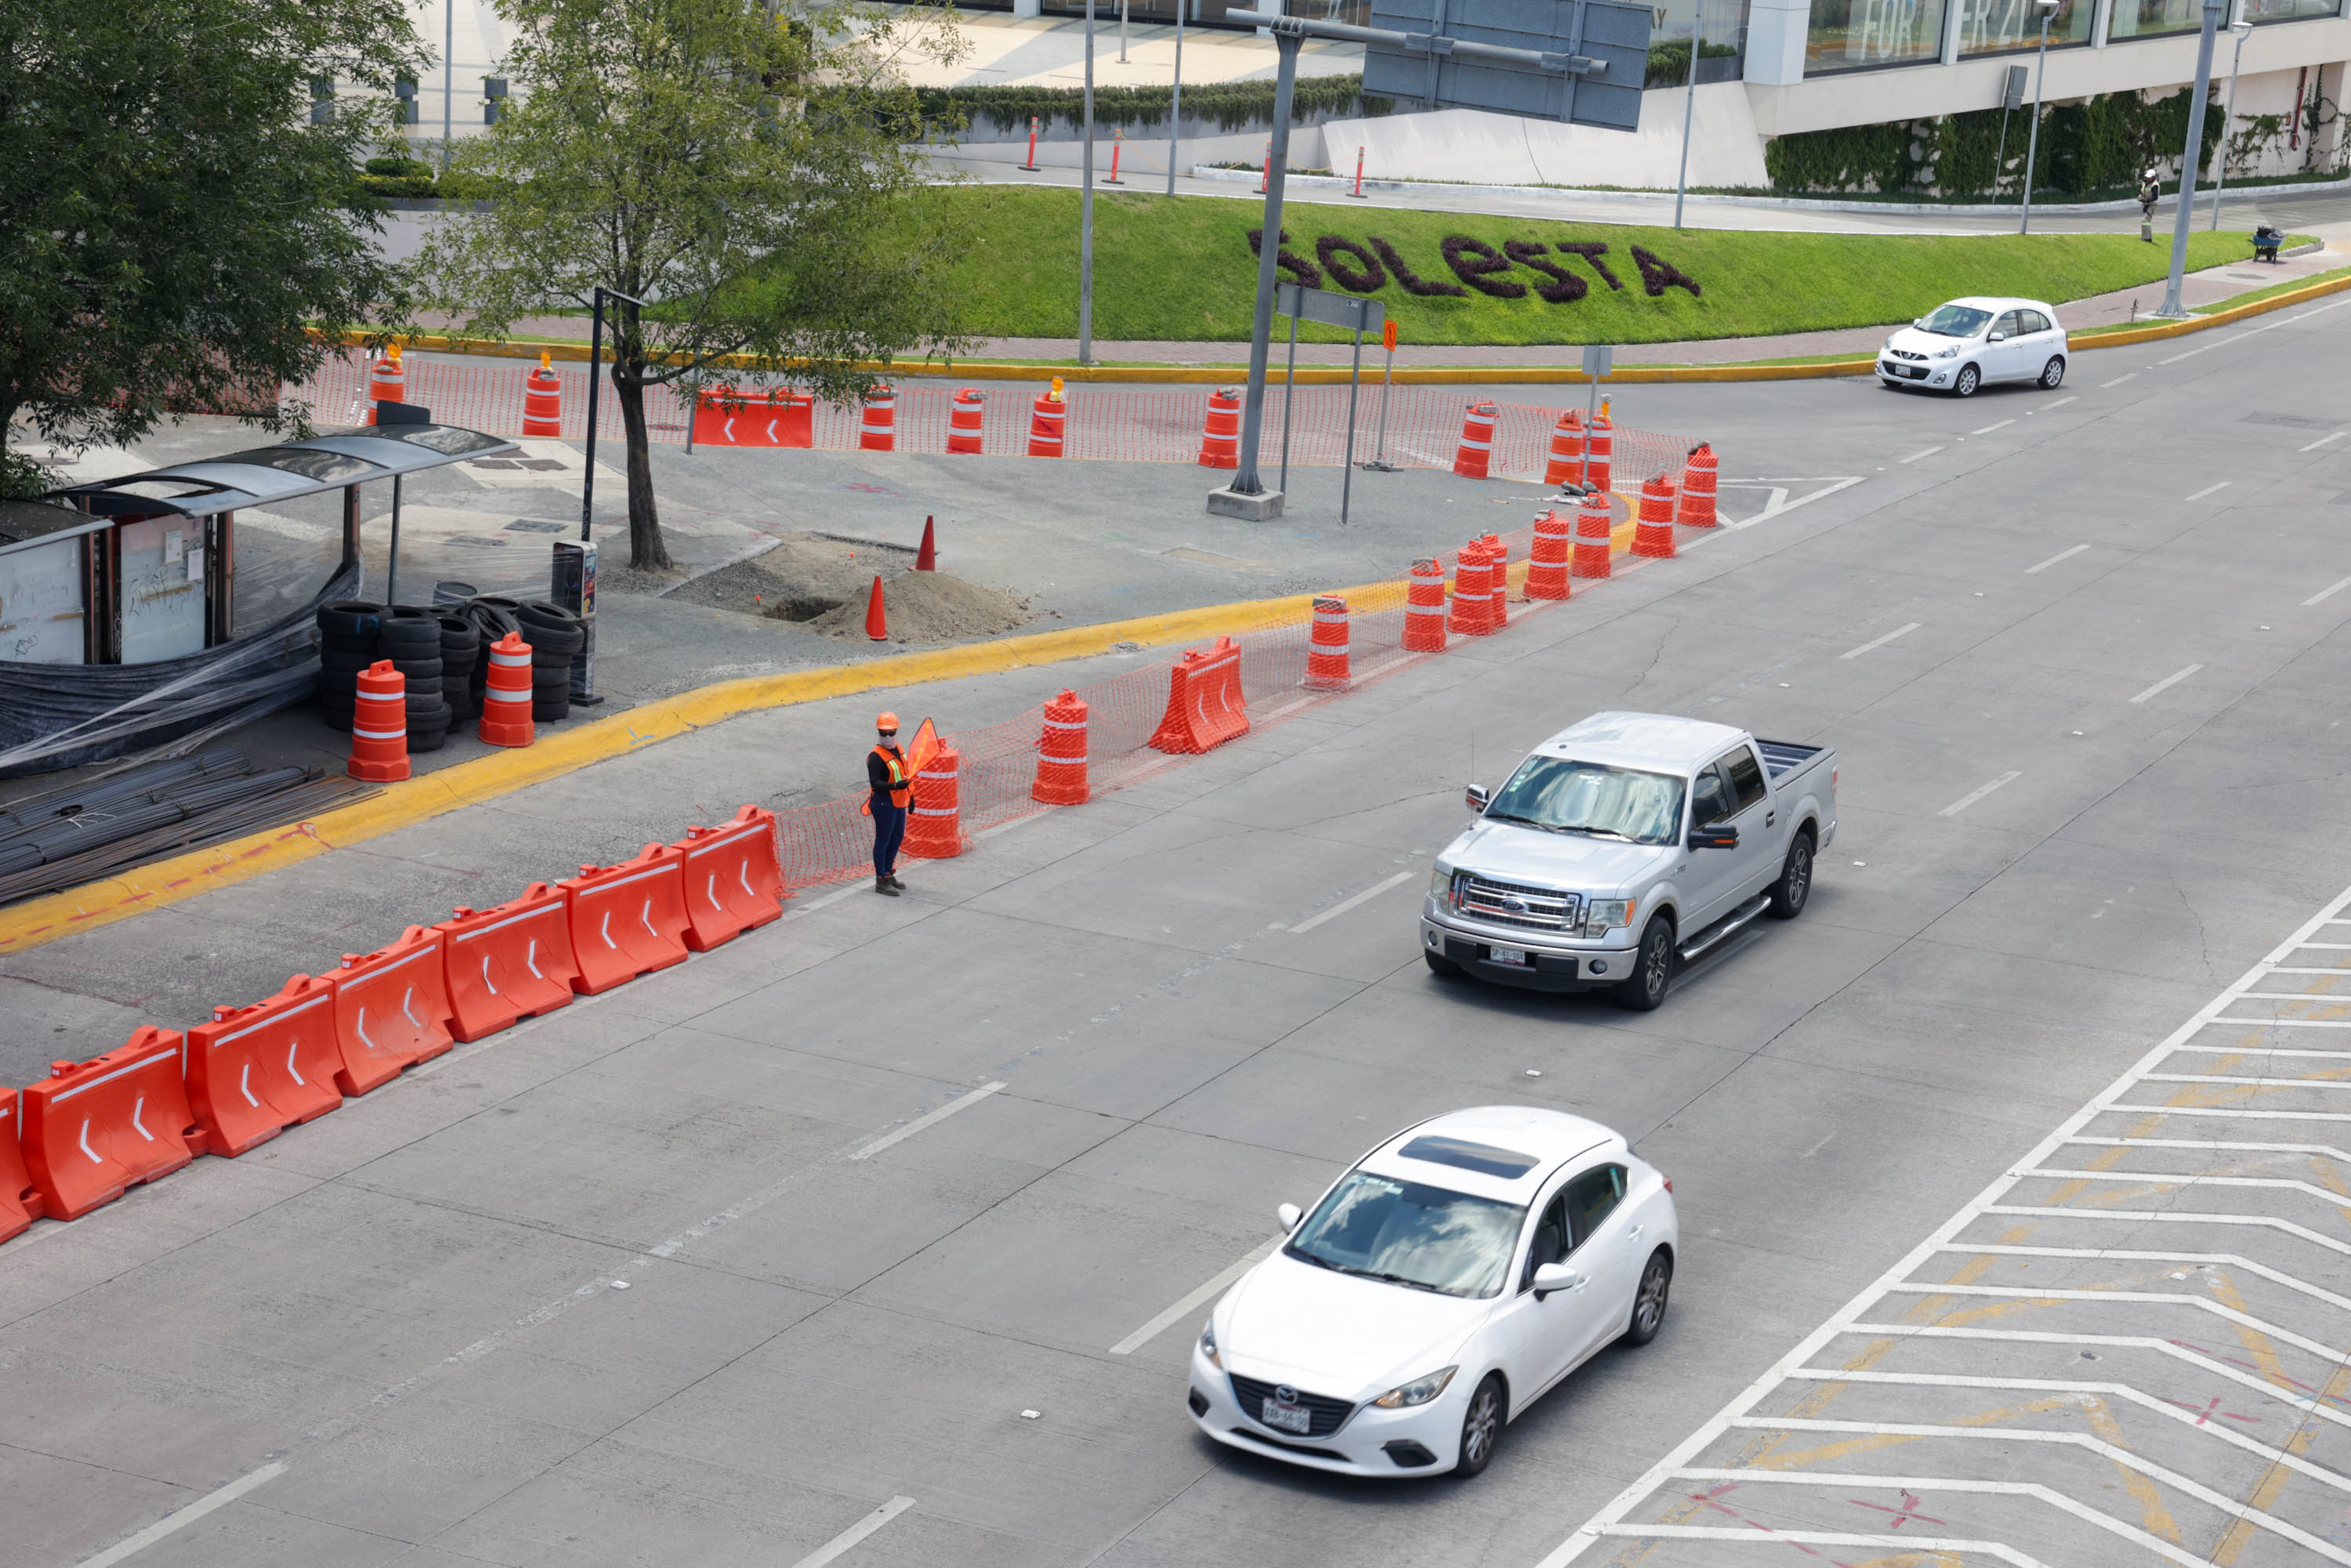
x=1508, y=956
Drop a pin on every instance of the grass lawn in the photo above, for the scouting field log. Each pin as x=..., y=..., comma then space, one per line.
x=1180, y=269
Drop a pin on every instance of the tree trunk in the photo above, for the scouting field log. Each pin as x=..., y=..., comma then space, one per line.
x=647, y=551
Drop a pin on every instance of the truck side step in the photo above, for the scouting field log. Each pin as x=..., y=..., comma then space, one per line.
x=1723, y=930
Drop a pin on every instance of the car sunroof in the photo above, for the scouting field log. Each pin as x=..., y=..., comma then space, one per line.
x=1463, y=1154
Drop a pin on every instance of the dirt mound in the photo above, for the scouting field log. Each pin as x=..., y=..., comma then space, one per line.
x=822, y=583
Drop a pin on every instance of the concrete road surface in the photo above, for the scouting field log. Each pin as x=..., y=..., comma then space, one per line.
x=885, y=1177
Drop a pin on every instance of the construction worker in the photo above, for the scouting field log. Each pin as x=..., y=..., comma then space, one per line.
x=892, y=780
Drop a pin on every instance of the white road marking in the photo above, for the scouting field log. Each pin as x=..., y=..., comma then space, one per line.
x=184, y=1517
x=1972, y=796
x=1779, y=502
x=1988, y=429
x=2190, y=354
x=928, y=1119
x=1929, y=1545
x=855, y=1532
x=2052, y=561
x=812, y=906
x=2327, y=440
x=1881, y=642
x=1193, y=1301
x=2060, y=402
x=2326, y=594
x=2211, y=489
x=1916, y=455
x=2166, y=684
x=1336, y=910
x=2116, y=381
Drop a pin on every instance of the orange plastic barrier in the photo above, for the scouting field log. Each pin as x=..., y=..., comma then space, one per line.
x=1699, y=479
x=379, y=725
x=878, y=430
x=1045, y=420
x=542, y=401
x=1600, y=445
x=1061, y=754
x=20, y=1205
x=1653, y=532
x=1205, y=705
x=1424, y=608
x=392, y=1010
x=733, y=880
x=1566, y=449
x=627, y=919
x=1477, y=448
x=723, y=416
x=387, y=382
x=1472, y=585
x=964, y=419
x=506, y=693
x=934, y=822
x=95, y=1129
x=1327, y=651
x=1220, y=439
x=1592, y=526
x=256, y=1070
x=1547, y=560
x=509, y=963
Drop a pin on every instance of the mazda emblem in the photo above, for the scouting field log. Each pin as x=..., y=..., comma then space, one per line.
x=1285, y=1395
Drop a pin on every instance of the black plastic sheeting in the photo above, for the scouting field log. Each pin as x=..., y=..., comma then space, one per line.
x=63, y=716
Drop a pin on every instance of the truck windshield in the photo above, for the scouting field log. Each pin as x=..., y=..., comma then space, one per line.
x=1571, y=796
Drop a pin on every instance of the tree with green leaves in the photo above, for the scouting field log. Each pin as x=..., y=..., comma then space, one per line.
x=741, y=167
x=172, y=219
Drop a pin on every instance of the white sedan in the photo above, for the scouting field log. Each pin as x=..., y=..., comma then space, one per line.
x=1458, y=1271
x=1960, y=346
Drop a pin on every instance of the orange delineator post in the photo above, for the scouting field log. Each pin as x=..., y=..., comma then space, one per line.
x=506, y=695
x=1699, y=479
x=1220, y=438
x=94, y=1129
x=508, y=963
x=1476, y=447
x=1566, y=448
x=1471, y=583
x=625, y=920
x=392, y=1010
x=734, y=878
x=964, y=421
x=256, y=1070
x=1592, y=524
x=1206, y=707
x=387, y=382
x=20, y=1201
x=1599, y=445
x=1061, y=778
x=1547, y=561
x=878, y=431
x=542, y=400
x=1424, y=608
x=935, y=820
x=379, y=725
x=1327, y=667
x=1653, y=533
x=1047, y=417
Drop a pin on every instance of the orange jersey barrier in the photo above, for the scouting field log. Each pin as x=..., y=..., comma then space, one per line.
x=508, y=963
x=1204, y=705
x=256, y=1070
x=731, y=878
x=726, y=417
x=627, y=919
x=93, y=1130
x=392, y=1010
x=20, y=1205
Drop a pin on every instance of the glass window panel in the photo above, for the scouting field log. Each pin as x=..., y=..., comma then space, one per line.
x=2001, y=26
x=1856, y=34
x=41, y=613
x=2150, y=18
x=162, y=590
x=2260, y=11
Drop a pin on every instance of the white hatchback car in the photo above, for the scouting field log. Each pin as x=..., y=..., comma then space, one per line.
x=1440, y=1288
x=1960, y=346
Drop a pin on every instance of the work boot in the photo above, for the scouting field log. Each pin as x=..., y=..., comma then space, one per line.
x=893, y=880
x=885, y=887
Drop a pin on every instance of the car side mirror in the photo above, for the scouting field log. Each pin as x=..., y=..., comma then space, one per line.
x=1290, y=1214
x=1717, y=838
x=1555, y=1277
x=1476, y=797
x=1998, y=338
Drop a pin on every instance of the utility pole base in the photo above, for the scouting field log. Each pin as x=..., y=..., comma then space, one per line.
x=1257, y=509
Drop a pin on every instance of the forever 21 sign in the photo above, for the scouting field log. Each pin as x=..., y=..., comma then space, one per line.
x=1548, y=271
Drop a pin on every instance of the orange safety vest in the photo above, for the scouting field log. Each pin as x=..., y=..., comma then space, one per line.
x=902, y=785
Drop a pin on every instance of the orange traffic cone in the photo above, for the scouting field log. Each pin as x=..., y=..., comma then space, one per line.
x=877, y=625
x=927, y=557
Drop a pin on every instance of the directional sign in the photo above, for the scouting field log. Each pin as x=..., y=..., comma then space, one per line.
x=1348, y=312
x=1598, y=49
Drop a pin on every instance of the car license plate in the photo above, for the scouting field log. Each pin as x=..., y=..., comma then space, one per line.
x=1508, y=956
x=1283, y=1417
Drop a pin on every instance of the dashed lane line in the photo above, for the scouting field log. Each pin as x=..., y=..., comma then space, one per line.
x=1978, y=793
x=2327, y=440
x=172, y=1522
x=1194, y=1300
x=2329, y=591
x=2117, y=381
x=1877, y=643
x=2052, y=561
x=928, y=1119
x=1916, y=455
x=2168, y=681
x=2060, y=402
x=1344, y=905
x=2211, y=489
x=1988, y=429
x=855, y=1532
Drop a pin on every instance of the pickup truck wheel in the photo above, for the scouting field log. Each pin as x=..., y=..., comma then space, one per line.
x=1795, y=883
x=1653, y=968
x=1443, y=968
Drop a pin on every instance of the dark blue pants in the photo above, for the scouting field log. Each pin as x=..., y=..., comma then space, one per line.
x=889, y=831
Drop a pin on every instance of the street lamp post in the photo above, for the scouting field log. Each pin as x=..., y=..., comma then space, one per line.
x=2048, y=9
x=2191, y=157
x=2244, y=30
x=595, y=378
x=1689, y=112
x=1176, y=98
x=1086, y=212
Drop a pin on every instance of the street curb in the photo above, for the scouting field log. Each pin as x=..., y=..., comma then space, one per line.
x=1332, y=375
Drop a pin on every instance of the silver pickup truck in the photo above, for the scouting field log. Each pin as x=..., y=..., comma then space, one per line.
x=1625, y=844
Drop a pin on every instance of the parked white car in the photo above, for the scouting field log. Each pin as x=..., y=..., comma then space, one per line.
x=1959, y=347
x=1437, y=1290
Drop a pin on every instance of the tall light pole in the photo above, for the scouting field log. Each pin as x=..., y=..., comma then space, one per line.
x=2191, y=157
x=2244, y=30
x=1175, y=100
x=2048, y=9
x=1690, y=111
x=449, y=76
x=1086, y=212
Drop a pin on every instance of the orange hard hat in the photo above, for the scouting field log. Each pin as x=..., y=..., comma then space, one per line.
x=886, y=721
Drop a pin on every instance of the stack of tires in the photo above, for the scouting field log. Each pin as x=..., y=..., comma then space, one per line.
x=347, y=645
x=409, y=636
x=556, y=636
x=461, y=650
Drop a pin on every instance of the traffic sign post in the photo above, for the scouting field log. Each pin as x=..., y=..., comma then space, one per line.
x=1599, y=359
x=1351, y=313
x=1379, y=465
